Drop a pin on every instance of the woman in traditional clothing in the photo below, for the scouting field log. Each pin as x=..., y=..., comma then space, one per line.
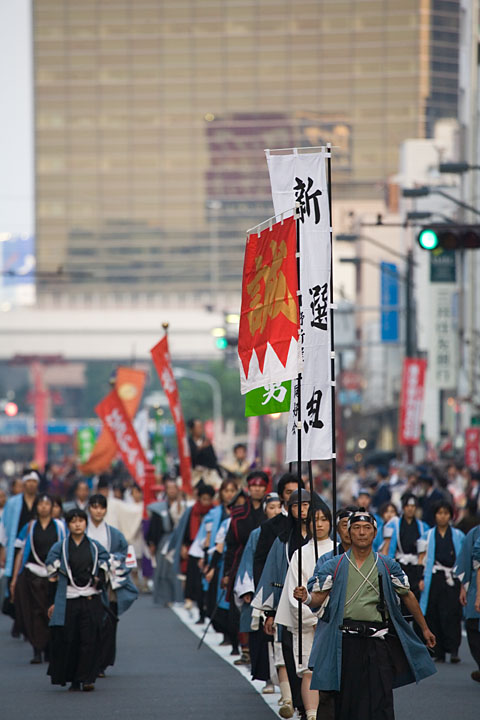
x=77, y=568
x=29, y=582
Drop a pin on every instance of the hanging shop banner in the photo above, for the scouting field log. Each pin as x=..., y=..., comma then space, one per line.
x=161, y=359
x=299, y=179
x=472, y=448
x=411, y=400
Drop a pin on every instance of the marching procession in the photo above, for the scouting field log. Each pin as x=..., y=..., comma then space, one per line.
x=382, y=600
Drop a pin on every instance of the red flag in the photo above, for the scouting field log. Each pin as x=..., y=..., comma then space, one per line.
x=115, y=418
x=411, y=401
x=161, y=360
x=268, y=332
x=129, y=383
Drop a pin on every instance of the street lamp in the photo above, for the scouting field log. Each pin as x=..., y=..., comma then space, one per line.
x=426, y=190
x=216, y=395
x=457, y=168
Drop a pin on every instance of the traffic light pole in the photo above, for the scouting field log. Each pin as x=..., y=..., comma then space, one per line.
x=410, y=330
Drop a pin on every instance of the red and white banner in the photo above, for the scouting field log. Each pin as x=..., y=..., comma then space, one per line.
x=161, y=359
x=411, y=400
x=299, y=179
x=112, y=411
x=472, y=448
x=269, y=319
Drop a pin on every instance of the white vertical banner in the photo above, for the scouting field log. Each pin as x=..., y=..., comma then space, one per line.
x=301, y=178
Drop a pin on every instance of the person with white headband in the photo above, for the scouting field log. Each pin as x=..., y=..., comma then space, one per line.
x=404, y=541
x=363, y=645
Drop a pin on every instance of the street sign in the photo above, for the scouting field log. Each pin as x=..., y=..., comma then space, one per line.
x=443, y=266
x=388, y=299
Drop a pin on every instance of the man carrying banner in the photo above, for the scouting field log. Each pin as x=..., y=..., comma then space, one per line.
x=363, y=645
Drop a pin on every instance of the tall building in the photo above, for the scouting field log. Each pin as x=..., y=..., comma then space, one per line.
x=152, y=117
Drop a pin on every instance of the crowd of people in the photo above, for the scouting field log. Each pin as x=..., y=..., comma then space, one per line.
x=335, y=611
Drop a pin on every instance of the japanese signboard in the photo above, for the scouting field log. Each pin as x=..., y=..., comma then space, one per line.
x=411, y=401
x=389, y=293
x=443, y=341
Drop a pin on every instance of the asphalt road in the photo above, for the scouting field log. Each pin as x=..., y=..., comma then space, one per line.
x=160, y=675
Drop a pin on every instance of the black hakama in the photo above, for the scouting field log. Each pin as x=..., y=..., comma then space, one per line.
x=31, y=608
x=75, y=651
x=366, y=691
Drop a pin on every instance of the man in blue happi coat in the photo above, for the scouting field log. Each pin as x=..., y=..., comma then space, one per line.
x=18, y=511
x=467, y=571
x=363, y=646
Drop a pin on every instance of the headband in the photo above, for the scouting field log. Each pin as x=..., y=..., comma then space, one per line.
x=361, y=517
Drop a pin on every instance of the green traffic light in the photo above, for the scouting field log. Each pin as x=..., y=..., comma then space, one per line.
x=221, y=343
x=428, y=239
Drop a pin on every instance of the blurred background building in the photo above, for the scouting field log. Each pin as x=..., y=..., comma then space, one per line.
x=151, y=118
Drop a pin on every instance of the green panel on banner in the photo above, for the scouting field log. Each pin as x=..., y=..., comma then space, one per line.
x=475, y=421
x=274, y=398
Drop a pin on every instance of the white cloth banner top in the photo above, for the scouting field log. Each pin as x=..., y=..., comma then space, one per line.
x=301, y=178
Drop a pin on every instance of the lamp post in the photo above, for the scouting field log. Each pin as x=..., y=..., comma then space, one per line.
x=180, y=372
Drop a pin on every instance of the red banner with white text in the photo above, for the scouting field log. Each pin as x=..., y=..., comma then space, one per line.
x=411, y=400
x=114, y=415
x=472, y=448
x=161, y=359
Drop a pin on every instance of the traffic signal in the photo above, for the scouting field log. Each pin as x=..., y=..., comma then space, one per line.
x=448, y=236
x=221, y=343
x=11, y=409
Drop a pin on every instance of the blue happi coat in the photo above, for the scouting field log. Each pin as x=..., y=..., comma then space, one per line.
x=25, y=536
x=220, y=536
x=326, y=655
x=270, y=585
x=394, y=525
x=458, y=538
x=216, y=517
x=244, y=582
x=57, y=565
x=466, y=570
x=10, y=519
x=119, y=574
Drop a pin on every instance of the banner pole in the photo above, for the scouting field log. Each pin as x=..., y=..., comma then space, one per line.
x=332, y=358
x=312, y=509
x=299, y=446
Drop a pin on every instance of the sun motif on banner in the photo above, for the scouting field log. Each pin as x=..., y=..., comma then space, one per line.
x=269, y=295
